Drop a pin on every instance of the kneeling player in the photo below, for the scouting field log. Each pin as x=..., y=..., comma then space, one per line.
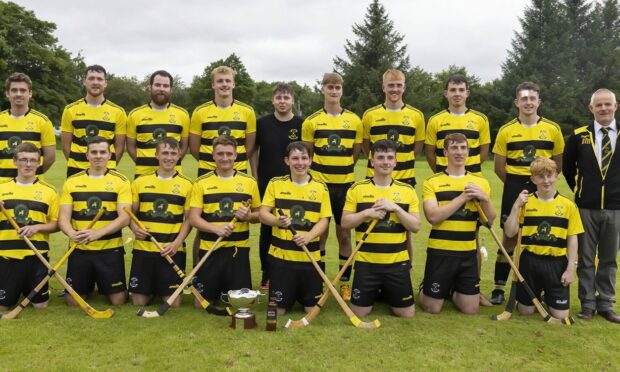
x=34, y=205
x=452, y=262
x=550, y=226
x=383, y=262
x=216, y=198
x=161, y=203
x=305, y=202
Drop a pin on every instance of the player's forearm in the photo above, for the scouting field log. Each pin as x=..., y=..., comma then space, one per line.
x=318, y=229
x=500, y=167
x=352, y=220
x=49, y=157
x=194, y=145
x=131, y=148
x=417, y=148
x=115, y=225
x=431, y=158
x=64, y=223
x=184, y=147
x=357, y=148
x=489, y=211
x=484, y=153
x=511, y=225
x=254, y=163
x=571, y=251
x=119, y=147
x=254, y=216
x=65, y=142
x=183, y=233
x=366, y=147
x=202, y=225
x=49, y=227
x=267, y=217
x=439, y=213
x=411, y=221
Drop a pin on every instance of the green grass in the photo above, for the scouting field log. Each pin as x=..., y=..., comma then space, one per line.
x=61, y=338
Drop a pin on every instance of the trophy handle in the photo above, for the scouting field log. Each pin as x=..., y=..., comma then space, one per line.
x=259, y=296
x=224, y=295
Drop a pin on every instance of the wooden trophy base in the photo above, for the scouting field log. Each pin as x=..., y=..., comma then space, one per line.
x=243, y=323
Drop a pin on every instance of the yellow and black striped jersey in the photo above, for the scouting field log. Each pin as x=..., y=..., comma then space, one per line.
x=473, y=124
x=147, y=125
x=162, y=206
x=306, y=205
x=85, y=121
x=521, y=144
x=210, y=121
x=405, y=127
x=547, y=225
x=30, y=205
x=219, y=198
x=33, y=127
x=87, y=195
x=333, y=138
x=457, y=232
x=387, y=243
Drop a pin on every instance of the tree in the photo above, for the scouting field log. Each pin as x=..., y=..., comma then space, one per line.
x=200, y=91
x=27, y=45
x=127, y=92
x=378, y=46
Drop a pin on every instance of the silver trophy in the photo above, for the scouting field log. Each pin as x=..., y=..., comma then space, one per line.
x=242, y=299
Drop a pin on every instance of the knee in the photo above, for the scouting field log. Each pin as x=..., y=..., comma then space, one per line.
x=40, y=305
x=361, y=311
x=407, y=312
x=525, y=310
x=118, y=298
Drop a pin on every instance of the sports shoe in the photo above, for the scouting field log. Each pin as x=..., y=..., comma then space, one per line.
x=265, y=285
x=497, y=296
x=61, y=293
x=345, y=292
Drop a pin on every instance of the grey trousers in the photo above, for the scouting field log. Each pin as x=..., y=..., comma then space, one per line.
x=602, y=236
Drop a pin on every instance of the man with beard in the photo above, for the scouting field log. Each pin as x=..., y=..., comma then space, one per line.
x=90, y=117
x=274, y=132
x=156, y=120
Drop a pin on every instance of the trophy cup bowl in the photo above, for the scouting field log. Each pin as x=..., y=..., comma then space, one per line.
x=242, y=299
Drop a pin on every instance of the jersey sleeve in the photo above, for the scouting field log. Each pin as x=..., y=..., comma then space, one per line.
x=420, y=128
x=251, y=122
x=195, y=126
x=485, y=131
x=500, y=144
x=366, y=123
x=120, y=128
x=575, y=225
x=326, y=207
x=307, y=131
x=558, y=143
x=48, y=137
x=196, y=198
x=431, y=133
x=269, y=199
x=131, y=126
x=255, y=196
x=124, y=193
x=414, y=204
x=185, y=124
x=350, y=203
x=65, y=196
x=52, y=212
x=359, y=132
x=135, y=197
x=66, y=123
x=428, y=192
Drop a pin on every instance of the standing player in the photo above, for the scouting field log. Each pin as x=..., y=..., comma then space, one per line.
x=592, y=171
x=334, y=136
x=89, y=117
x=273, y=133
x=216, y=198
x=161, y=203
x=20, y=124
x=452, y=259
x=305, y=202
x=156, y=120
x=383, y=262
x=400, y=123
x=550, y=227
x=518, y=143
x=34, y=205
x=457, y=118
x=99, y=257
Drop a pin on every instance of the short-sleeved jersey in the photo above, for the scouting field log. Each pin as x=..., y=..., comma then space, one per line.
x=473, y=124
x=547, y=225
x=210, y=121
x=306, y=205
x=405, y=127
x=33, y=204
x=34, y=127
x=457, y=232
x=87, y=195
x=333, y=138
x=386, y=245
x=521, y=144
x=85, y=121
x=147, y=125
x=162, y=206
x=219, y=198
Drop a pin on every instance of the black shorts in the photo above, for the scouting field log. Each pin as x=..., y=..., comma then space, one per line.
x=450, y=270
x=512, y=188
x=106, y=268
x=294, y=281
x=394, y=285
x=20, y=277
x=543, y=274
x=151, y=274
x=337, y=197
x=222, y=272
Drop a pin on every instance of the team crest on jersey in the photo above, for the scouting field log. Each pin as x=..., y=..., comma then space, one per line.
x=585, y=139
x=543, y=233
x=236, y=116
x=29, y=126
x=406, y=120
x=159, y=133
x=21, y=212
x=172, y=119
x=293, y=134
x=226, y=208
x=297, y=217
x=223, y=130
x=91, y=130
x=176, y=189
x=396, y=197
x=312, y=195
x=93, y=204
x=346, y=124
x=529, y=153
x=106, y=116
x=333, y=144
x=160, y=209
x=12, y=143
x=38, y=195
x=470, y=124
x=239, y=187
x=542, y=135
x=559, y=210
x=109, y=186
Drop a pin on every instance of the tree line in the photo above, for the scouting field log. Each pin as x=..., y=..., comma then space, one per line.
x=569, y=47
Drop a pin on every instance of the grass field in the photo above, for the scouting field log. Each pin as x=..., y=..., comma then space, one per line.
x=61, y=338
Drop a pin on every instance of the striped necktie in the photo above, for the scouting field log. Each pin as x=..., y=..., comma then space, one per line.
x=606, y=151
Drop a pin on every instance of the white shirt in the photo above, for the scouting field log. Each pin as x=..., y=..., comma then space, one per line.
x=598, y=135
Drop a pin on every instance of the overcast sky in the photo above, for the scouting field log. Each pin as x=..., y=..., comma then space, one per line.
x=276, y=39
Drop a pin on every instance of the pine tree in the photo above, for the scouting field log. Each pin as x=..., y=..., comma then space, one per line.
x=377, y=47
